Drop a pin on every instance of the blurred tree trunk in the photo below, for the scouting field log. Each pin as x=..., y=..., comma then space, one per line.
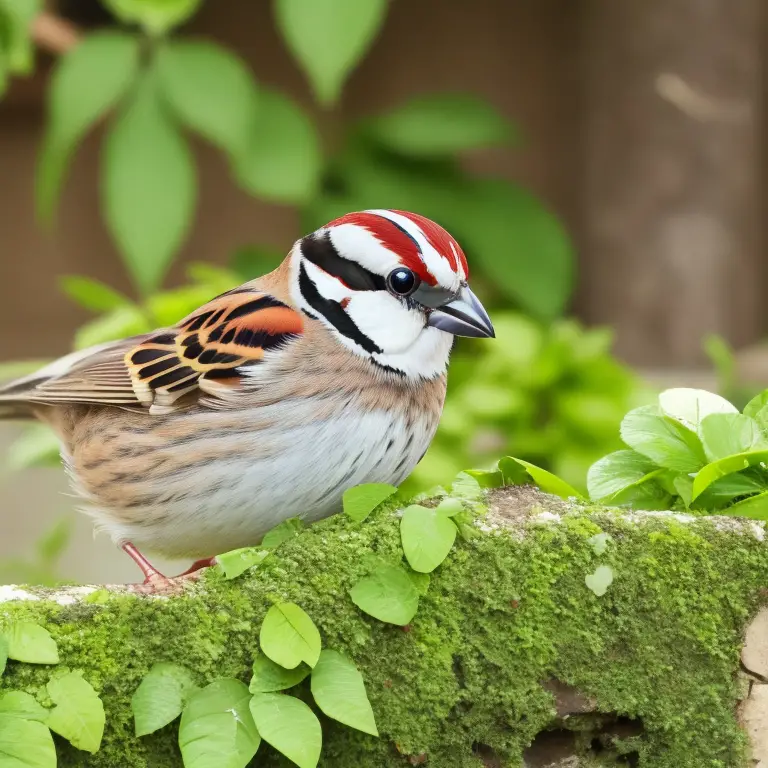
x=672, y=240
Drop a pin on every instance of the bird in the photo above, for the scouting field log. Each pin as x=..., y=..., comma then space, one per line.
x=270, y=400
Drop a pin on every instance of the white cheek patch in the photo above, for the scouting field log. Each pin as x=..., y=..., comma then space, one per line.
x=329, y=286
x=383, y=319
x=425, y=359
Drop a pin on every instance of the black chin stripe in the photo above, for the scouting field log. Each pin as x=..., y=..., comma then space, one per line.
x=320, y=251
x=332, y=311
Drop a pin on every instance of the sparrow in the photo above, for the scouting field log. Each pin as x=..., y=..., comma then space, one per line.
x=270, y=400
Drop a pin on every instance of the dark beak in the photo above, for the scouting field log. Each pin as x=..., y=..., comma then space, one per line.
x=463, y=315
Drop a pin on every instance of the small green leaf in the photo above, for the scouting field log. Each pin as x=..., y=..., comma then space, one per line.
x=754, y=508
x=238, y=561
x=600, y=580
x=466, y=487
x=23, y=705
x=288, y=636
x=92, y=294
x=440, y=124
x=86, y=83
x=288, y=529
x=683, y=485
x=148, y=186
x=282, y=161
x=548, y=482
x=387, y=594
x=290, y=726
x=615, y=472
x=427, y=537
x=450, y=507
x=160, y=697
x=19, y=15
x=269, y=677
x=31, y=643
x=690, y=406
x=756, y=404
x=361, y=500
x=25, y=743
x=328, y=38
x=599, y=542
x=487, y=478
x=216, y=729
x=662, y=439
x=339, y=691
x=79, y=714
x=211, y=91
x=726, y=434
x=3, y=653
x=727, y=466
x=155, y=16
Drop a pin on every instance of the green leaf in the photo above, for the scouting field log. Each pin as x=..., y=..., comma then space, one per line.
x=690, y=406
x=756, y=404
x=615, y=472
x=86, y=83
x=19, y=15
x=25, y=743
x=216, y=729
x=727, y=466
x=450, y=507
x=31, y=643
x=288, y=636
x=420, y=581
x=427, y=537
x=211, y=91
x=238, y=561
x=361, y=500
x=328, y=38
x=269, y=677
x=662, y=439
x=282, y=161
x=387, y=594
x=92, y=294
x=466, y=487
x=160, y=697
x=339, y=691
x=725, y=434
x=155, y=16
x=683, y=485
x=79, y=714
x=149, y=186
x=3, y=653
x=487, y=478
x=440, y=124
x=599, y=542
x=23, y=705
x=128, y=320
x=548, y=482
x=290, y=726
x=286, y=530
x=600, y=580
x=754, y=508
x=37, y=445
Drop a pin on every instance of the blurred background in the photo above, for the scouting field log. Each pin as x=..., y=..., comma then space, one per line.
x=602, y=164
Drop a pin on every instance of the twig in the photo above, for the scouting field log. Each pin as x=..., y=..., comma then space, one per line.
x=54, y=34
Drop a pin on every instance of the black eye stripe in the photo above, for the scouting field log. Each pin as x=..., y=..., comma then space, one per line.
x=320, y=251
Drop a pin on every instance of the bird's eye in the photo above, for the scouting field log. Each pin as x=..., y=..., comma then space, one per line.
x=402, y=282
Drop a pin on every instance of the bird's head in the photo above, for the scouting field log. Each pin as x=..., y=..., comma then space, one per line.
x=392, y=286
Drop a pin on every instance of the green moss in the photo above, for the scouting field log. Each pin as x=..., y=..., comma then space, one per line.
x=508, y=610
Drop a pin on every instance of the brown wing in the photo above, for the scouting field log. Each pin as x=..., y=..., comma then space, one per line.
x=230, y=331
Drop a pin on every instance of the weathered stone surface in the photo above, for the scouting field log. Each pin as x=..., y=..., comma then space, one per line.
x=754, y=655
x=754, y=716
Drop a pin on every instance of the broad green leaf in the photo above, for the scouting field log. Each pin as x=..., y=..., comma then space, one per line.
x=269, y=677
x=450, y=507
x=548, y=482
x=615, y=472
x=25, y=743
x=647, y=493
x=238, y=561
x=361, y=500
x=216, y=729
x=761, y=417
x=160, y=697
x=3, y=653
x=339, y=691
x=600, y=580
x=290, y=726
x=79, y=714
x=23, y=705
x=328, y=38
x=662, y=439
x=755, y=507
x=288, y=636
x=211, y=91
x=756, y=404
x=727, y=466
x=466, y=487
x=86, y=83
x=92, y=294
x=19, y=15
x=282, y=161
x=288, y=529
x=440, y=124
x=725, y=434
x=387, y=594
x=156, y=16
x=487, y=478
x=690, y=406
x=37, y=445
x=31, y=643
x=427, y=537
x=148, y=186
x=683, y=485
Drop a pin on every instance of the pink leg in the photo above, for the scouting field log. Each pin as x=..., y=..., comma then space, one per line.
x=156, y=582
x=198, y=565
x=151, y=574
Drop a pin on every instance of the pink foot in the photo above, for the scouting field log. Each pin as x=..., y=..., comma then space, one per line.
x=198, y=565
x=156, y=583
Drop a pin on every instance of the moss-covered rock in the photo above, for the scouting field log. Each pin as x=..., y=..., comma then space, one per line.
x=508, y=643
